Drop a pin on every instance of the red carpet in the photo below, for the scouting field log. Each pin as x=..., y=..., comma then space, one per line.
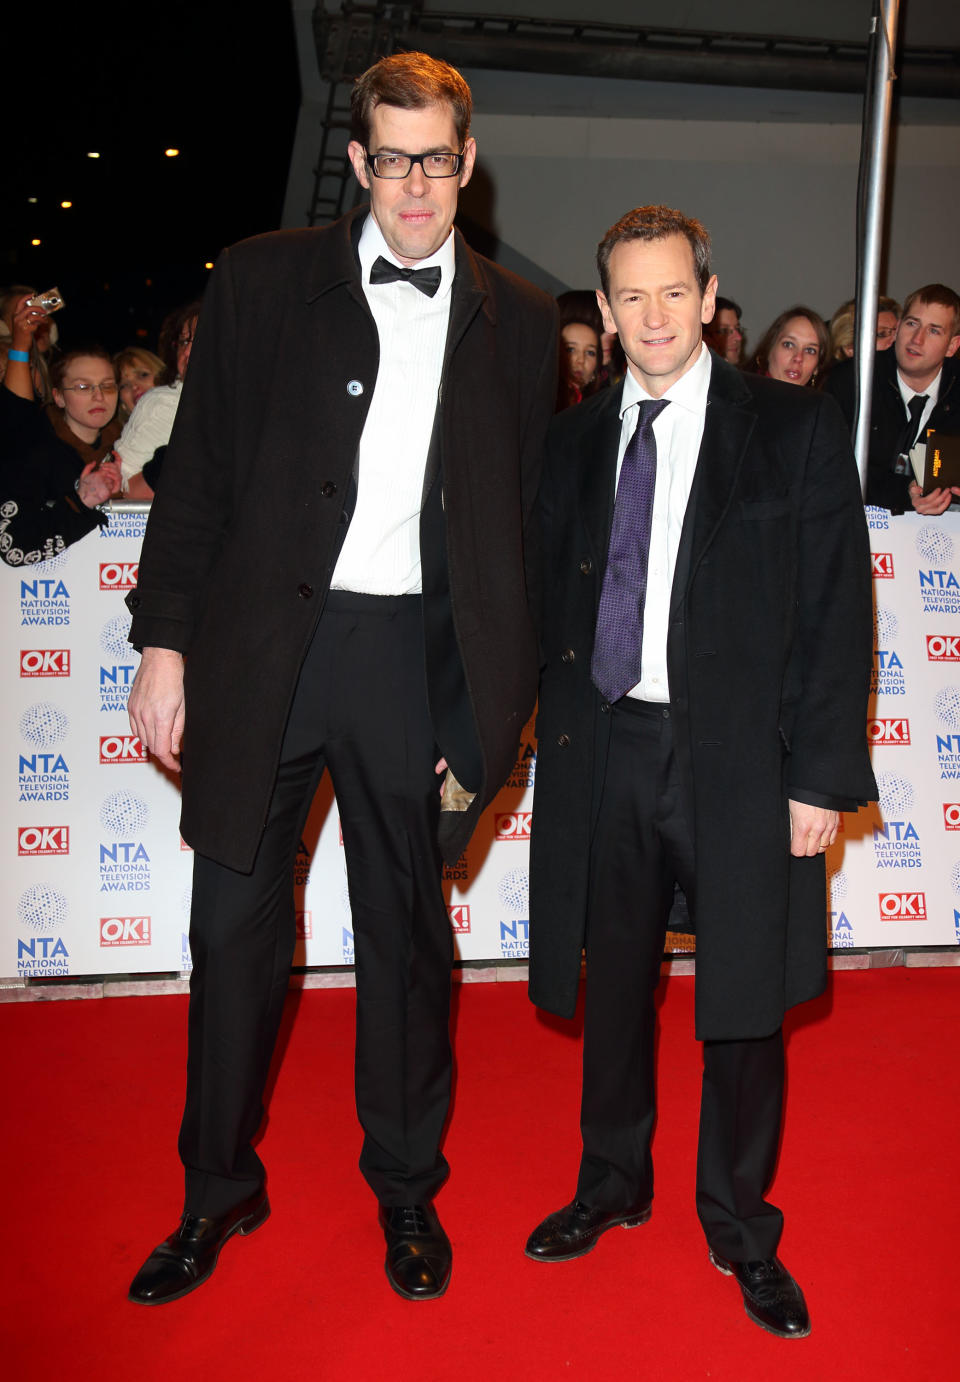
x=867, y=1180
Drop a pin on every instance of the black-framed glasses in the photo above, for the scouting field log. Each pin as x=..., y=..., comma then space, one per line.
x=435, y=165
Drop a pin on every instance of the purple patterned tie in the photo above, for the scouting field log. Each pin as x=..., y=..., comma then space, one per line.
x=615, y=667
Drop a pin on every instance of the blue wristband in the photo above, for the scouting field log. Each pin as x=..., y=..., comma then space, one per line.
x=19, y=355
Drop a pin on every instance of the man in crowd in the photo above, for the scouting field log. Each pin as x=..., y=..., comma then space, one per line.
x=723, y=333
x=914, y=387
x=339, y=554
x=707, y=649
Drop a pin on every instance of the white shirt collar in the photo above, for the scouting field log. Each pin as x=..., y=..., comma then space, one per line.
x=689, y=391
x=932, y=391
x=372, y=245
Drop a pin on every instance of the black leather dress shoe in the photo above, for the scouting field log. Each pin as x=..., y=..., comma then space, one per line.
x=183, y=1261
x=771, y=1297
x=419, y=1255
x=574, y=1230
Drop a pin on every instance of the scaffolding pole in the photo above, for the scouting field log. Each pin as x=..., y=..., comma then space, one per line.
x=874, y=153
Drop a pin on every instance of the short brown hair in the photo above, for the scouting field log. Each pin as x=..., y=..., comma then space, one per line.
x=58, y=370
x=939, y=294
x=412, y=81
x=656, y=223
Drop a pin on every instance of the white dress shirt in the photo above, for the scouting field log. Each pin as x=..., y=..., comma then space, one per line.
x=932, y=392
x=381, y=552
x=678, y=432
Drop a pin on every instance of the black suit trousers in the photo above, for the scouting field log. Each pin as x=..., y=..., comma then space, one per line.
x=360, y=710
x=642, y=845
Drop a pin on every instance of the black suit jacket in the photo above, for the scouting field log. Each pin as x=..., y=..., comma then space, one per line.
x=769, y=652
x=244, y=533
x=888, y=416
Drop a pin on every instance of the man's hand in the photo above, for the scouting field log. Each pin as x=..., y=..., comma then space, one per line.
x=934, y=503
x=97, y=483
x=812, y=829
x=155, y=706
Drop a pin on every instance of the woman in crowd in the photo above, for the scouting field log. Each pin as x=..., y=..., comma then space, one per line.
x=581, y=350
x=56, y=465
x=724, y=334
x=41, y=343
x=843, y=327
x=794, y=347
x=138, y=370
x=151, y=422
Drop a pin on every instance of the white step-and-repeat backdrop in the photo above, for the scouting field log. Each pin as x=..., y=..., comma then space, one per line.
x=99, y=879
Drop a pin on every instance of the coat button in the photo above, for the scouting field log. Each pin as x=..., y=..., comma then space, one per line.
x=586, y=566
x=605, y=707
x=568, y=655
x=133, y=601
x=563, y=741
x=304, y=591
x=354, y=388
x=328, y=490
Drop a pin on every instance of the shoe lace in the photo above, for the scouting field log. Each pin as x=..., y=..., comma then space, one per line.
x=410, y=1218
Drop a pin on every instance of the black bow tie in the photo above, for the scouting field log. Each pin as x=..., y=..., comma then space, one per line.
x=427, y=280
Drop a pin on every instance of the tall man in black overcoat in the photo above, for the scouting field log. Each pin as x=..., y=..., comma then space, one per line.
x=335, y=576
x=707, y=735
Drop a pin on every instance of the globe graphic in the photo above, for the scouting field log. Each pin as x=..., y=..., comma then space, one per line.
x=123, y=814
x=837, y=885
x=935, y=544
x=513, y=891
x=56, y=563
x=946, y=706
x=113, y=638
x=886, y=627
x=44, y=725
x=896, y=795
x=41, y=907
x=955, y=878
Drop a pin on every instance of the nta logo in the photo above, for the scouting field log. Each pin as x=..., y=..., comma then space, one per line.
x=118, y=575
x=45, y=662
x=903, y=906
x=43, y=839
x=888, y=731
x=121, y=748
x=943, y=647
x=882, y=565
x=513, y=825
x=124, y=930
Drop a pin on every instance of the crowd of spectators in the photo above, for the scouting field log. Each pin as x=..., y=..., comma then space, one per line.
x=79, y=427
x=914, y=376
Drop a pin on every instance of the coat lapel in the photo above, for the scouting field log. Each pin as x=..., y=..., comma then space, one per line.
x=597, y=459
x=469, y=294
x=728, y=425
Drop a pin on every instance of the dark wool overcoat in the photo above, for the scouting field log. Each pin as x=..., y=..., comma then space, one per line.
x=243, y=534
x=768, y=657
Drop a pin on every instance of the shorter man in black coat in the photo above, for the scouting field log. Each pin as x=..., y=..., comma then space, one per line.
x=914, y=387
x=703, y=696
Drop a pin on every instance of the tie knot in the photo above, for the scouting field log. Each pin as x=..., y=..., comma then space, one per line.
x=649, y=410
